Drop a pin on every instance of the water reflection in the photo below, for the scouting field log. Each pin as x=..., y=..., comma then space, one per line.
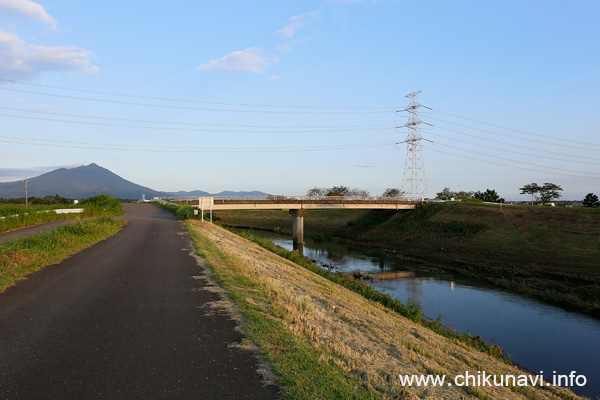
x=541, y=337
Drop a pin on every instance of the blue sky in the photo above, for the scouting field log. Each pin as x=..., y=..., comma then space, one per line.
x=283, y=96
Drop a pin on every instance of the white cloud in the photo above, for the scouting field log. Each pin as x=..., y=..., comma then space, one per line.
x=20, y=60
x=252, y=60
x=296, y=23
x=26, y=9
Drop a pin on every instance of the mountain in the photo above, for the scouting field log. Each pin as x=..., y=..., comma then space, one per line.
x=183, y=193
x=90, y=180
x=230, y=193
x=77, y=183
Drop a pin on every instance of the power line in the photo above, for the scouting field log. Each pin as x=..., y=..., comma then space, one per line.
x=512, y=166
x=308, y=129
x=180, y=129
x=130, y=103
x=511, y=129
x=526, y=163
x=389, y=108
x=515, y=145
x=181, y=149
x=515, y=152
x=517, y=137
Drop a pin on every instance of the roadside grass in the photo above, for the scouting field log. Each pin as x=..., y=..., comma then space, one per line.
x=17, y=216
x=323, y=341
x=545, y=253
x=19, y=257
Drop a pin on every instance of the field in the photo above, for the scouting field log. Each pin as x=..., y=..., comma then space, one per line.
x=551, y=254
x=14, y=216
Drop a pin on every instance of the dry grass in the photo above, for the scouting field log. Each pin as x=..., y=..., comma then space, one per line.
x=360, y=337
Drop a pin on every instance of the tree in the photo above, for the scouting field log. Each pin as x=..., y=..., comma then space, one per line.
x=489, y=196
x=445, y=194
x=591, y=200
x=533, y=189
x=549, y=192
x=338, y=191
x=317, y=192
x=392, y=192
x=359, y=192
x=464, y=195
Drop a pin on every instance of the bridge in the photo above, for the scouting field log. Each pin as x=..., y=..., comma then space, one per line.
x=297, y=205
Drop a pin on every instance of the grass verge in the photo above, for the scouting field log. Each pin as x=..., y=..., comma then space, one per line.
x=22, y=256
x=324, y=341
x=17, y=216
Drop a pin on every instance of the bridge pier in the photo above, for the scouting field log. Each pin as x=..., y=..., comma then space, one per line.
x=298, y=228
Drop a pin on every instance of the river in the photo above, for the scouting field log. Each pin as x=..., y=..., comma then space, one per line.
x=538, y=336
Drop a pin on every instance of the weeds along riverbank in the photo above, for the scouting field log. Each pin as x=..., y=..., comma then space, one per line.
x=325, y=341
x=17, y=216
x=548, y=254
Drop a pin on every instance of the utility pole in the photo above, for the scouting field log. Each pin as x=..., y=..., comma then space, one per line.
x=26, y=182
x=414, y=181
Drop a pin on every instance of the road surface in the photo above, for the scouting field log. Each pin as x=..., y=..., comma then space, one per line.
x=127, y=318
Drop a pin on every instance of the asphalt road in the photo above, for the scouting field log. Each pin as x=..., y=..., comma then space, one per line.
x=124, y=319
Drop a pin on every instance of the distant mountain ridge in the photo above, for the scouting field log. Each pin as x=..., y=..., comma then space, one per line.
x=91, y=180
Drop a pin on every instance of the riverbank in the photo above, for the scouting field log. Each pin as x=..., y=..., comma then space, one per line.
x=324, y=341
x=549, y=254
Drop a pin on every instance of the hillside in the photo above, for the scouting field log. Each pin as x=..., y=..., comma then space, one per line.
x=91, y=180
x=546, y=253
x=76, y=183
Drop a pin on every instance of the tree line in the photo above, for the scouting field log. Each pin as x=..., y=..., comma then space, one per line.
x=346, y=191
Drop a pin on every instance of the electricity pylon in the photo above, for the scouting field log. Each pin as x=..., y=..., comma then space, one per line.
x=414, y=181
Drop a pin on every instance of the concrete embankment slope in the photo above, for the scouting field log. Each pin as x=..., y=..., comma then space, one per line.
x=363, y=340
x=128, y=318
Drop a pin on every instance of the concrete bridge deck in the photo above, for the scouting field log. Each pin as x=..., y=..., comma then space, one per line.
x=294, y=202
x=297, y=205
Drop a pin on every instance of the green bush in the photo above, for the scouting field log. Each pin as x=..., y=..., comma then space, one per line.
x=101, y=205
x=184, y=212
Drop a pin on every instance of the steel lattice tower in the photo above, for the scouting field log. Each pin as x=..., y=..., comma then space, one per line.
x=414, y=181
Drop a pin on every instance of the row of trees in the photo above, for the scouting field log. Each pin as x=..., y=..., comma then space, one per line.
x=489, y=195
x=48, y=200
x=539, y=193
x=346, y=191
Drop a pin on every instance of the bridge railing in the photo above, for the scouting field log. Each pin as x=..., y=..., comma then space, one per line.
x=287, y=199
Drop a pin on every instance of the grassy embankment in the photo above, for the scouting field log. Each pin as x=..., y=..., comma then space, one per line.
x=550, y=254
x=325, y=341
x=19, y=257
x=17, y=216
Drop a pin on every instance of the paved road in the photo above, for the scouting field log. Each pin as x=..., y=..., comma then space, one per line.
x=30, y=230
x=124, y=319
